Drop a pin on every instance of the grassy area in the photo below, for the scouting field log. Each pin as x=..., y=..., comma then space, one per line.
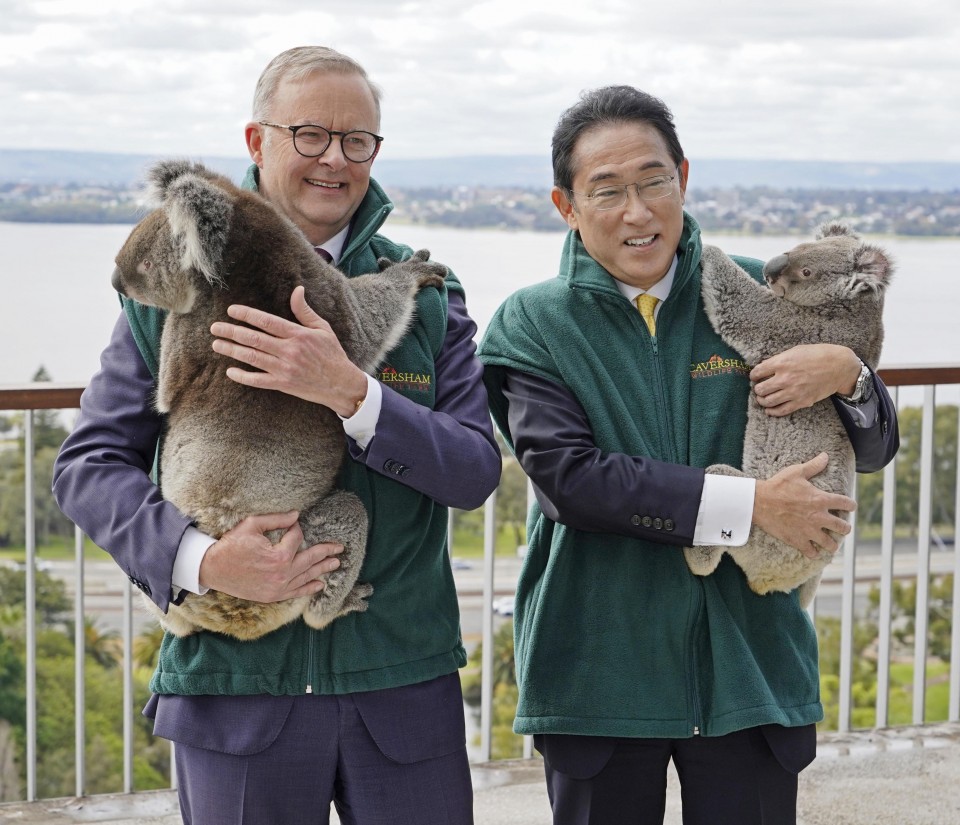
x=57, y=548
x=468, y=544
x=936, y=698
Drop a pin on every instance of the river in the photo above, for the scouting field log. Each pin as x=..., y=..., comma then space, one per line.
x=57, y=307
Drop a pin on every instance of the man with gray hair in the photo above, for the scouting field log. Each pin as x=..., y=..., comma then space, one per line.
x=366, y=713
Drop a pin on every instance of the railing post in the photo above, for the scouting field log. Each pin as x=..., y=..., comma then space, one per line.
x=79, y=670
x=486, y=663
x=30, y=540
x=953, y=714
x=923, y=558
x=885, y=619
x=847, y=614
x=128, y=688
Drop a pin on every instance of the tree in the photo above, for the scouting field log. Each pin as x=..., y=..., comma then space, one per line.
x=870, y=487
x=53, y=604
x=48, y=435
x=103, y=646
x=505, y=744
x=55, y=696
x=511, y=507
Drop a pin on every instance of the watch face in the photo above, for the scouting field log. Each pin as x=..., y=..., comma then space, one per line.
x=867, y=388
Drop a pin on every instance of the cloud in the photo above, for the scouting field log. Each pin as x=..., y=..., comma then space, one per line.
x=832, y=79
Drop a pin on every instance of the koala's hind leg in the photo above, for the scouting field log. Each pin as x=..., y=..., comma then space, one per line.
x=809, y=589
x=341, y=518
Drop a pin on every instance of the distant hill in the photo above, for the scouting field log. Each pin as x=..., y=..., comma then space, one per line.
x=526, y=171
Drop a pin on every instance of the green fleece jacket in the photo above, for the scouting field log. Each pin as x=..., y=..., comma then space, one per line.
x=410, y=631
x=614, y=635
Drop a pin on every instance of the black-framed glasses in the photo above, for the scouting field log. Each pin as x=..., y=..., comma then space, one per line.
x=613, y=196
x=311, y=141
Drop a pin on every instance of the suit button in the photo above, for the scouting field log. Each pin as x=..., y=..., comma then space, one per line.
x=646, y=521
x=658, y=524
x=389, y=464
x=668, y=525
x=141, y=586
x=635, y=520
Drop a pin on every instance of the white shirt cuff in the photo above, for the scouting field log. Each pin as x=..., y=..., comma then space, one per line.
x=186, y=567
x=726, y=511
x=362, y=425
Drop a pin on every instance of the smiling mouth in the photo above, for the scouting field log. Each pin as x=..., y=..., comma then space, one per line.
x=324, y=184
x=641, y=241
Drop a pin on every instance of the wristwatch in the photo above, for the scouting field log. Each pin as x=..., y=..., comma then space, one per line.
x=863, y=389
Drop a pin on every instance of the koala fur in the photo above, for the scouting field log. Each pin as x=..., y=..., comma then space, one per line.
x=230, y=451
x=830, y=290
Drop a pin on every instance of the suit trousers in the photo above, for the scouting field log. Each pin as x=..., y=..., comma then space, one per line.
x=748, y=777
x=387, y=757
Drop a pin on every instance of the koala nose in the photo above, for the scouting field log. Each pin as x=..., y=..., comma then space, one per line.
x=117, y=280
x=773, y=268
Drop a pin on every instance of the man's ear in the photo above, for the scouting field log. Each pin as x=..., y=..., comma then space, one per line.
x=684, y=172
x=253, y=133
x=565, y=207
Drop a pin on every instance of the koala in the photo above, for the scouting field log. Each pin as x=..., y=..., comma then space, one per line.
x=830, y=290
x=230, y=451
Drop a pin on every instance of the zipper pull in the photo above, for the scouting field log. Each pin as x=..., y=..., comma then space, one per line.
x=696, y=728
x=309, y=689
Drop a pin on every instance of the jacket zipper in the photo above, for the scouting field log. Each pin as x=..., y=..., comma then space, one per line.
x=311, y=639
x=694, y=686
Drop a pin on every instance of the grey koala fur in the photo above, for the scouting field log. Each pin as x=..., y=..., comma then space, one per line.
x=230, y=451
x=830, y=290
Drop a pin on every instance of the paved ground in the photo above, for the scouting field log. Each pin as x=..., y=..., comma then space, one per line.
x=902, y=777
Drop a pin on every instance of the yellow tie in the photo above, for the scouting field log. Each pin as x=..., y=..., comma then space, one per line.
x=647, y=304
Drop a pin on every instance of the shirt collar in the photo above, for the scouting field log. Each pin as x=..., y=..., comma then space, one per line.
x=335, y=245
x=661, y=289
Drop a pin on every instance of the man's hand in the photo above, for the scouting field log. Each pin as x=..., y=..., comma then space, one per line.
x=803, y=375
x=246, y=564
x=790, y=508
x=305, y=359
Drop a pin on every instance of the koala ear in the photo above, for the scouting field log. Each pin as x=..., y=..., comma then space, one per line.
x=199, y=212
x=873, y=269
x=826, y=230
x=161, y=175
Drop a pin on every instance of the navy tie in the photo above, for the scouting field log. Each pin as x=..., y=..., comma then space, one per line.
x=323, y=254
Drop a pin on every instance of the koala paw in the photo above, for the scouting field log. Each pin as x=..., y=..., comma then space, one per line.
x=424, y=271
x=702, y=561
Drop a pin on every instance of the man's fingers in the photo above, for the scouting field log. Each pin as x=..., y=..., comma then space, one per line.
x=303, y=312
x=810, y=550
x=271, y=324
x=311, y=557
x=815, y=465
x=273, y=521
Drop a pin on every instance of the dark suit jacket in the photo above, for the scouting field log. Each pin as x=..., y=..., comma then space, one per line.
x=580, y=487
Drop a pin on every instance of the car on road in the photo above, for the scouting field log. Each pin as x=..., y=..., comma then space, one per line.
x=503, y=605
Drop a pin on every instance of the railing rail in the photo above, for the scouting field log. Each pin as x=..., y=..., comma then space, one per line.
x=928, y=378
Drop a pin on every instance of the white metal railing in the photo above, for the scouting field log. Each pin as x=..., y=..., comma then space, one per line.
x=884, y=572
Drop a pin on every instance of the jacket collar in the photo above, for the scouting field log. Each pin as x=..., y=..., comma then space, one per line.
x=580, y=271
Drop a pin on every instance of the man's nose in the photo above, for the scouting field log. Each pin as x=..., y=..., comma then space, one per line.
x=333, y=154
x=635, y=205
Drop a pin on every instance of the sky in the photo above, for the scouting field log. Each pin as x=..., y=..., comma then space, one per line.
x=843, y=80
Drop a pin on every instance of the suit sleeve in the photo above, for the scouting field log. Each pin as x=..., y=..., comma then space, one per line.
x=101, y=477
x=448, y=453
x=876, y=442
x=578, y=485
